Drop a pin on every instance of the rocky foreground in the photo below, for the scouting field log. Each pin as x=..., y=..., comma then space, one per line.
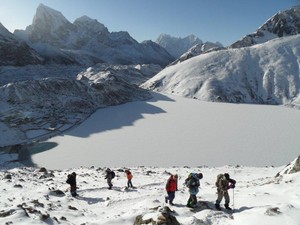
x=40, y=196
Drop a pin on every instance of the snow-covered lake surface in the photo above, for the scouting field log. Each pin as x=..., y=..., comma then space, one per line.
x=174, y=131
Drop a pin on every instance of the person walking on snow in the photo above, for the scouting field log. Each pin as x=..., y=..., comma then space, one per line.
x=109, y=176
x=72, y=181
x=171, y=187
x=193, y=183
x=129, y=178
x=223, y=184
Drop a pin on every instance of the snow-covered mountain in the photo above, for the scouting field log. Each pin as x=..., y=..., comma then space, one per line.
x=86, y=41
x=14, y=52
x=177, y=46
x=267, y=73
x=198, y=50
x=284, y=23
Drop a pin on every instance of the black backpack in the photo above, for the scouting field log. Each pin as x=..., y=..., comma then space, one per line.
x=113, y=174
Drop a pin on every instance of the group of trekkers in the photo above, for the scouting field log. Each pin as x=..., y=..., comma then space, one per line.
x=223, y=184
x=110, y=174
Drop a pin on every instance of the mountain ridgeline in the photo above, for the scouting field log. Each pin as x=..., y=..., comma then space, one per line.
x=85, y=42
x=262, y=68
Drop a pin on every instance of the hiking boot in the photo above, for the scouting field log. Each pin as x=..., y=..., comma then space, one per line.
x=171, y=203
x=166, y=199
x=227, y=207
x=190, y=205
x=217, y=206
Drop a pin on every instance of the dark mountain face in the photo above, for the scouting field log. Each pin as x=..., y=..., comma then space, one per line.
x=14, y=52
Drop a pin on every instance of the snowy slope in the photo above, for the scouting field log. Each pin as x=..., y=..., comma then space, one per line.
x=267, y=73
x=31, y=196
x=198, y=50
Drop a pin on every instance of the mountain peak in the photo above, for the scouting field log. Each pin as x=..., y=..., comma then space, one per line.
x=284, y=23
x=176, y=46
x=87, y=23
x=47, y=18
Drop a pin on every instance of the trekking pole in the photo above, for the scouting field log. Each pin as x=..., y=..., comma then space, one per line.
x=232, y=199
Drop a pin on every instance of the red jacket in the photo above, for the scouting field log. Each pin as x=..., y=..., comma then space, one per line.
x=129, y=175
x=171, y=184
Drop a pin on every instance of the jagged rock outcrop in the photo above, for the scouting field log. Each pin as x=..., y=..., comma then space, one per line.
x=293, y=167
x=282, y=24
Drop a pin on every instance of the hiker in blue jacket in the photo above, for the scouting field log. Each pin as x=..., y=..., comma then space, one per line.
x=193, y=183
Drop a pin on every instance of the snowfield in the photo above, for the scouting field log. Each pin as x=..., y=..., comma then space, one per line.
x=29, y=196
x=174, y=131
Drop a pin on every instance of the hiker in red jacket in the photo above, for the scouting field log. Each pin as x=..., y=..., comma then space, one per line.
x=171, y=187
x=129, y=178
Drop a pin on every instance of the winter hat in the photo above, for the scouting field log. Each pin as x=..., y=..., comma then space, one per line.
x=200, y=175
x=226, y=175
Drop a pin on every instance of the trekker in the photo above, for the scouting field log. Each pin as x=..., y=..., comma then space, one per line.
x=223, y=183
x=129, y=178
x=171, y=187
x=193, y=183
x=109, y=176
x=72, y=181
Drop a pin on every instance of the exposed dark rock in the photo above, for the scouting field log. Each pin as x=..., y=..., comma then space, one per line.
x=273, y=211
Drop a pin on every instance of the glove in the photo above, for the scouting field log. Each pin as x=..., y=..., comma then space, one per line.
x=231, y=186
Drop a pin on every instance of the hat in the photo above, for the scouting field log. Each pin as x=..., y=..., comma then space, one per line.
x=176, y=176
x=226, y=175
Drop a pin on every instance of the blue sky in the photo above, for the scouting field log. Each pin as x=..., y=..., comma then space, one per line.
x=211, y=20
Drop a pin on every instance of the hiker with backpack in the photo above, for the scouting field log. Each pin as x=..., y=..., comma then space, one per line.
x=129, y=178
x=223, y=184
x=171, y=187
x=109, y=176
x=193, y=183
x=72, y=181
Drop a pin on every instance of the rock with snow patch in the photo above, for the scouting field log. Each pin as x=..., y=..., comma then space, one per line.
x=293, y=167
x=273, y=211
x=165, y=218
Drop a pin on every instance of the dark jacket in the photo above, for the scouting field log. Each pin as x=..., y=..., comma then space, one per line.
x=223, y=183
x=72, y=181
